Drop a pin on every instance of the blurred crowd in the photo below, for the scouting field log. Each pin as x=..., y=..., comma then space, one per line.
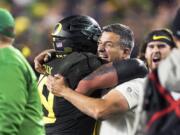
x=36, y=18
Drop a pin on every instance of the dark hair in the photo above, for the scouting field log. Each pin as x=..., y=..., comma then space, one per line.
x=4, y=38
x=125, y=33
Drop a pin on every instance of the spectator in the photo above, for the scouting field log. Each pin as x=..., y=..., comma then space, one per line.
x=157, y=101
x=20, y=108
x=158, y=44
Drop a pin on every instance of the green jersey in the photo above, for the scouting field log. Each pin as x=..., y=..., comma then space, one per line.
x=20, y=108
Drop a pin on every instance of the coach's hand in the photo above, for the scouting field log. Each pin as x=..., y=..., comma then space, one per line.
x=56, y=84
x=40, y=59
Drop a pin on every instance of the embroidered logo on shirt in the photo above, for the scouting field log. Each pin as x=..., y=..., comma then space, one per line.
x=129, y=89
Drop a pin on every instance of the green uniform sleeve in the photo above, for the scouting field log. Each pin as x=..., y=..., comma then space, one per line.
x=13, y=98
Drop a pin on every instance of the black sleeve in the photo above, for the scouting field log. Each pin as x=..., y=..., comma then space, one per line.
x=74, y=67
x=130, y=69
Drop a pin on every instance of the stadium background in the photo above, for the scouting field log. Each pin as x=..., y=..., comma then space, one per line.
x=36, y=18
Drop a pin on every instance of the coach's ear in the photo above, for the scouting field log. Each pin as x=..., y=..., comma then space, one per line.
x=126, y=52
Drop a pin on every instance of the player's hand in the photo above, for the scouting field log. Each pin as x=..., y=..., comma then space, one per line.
x=40, y=59
x=56, y=84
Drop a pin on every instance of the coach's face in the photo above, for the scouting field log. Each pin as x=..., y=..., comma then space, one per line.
x=109, y=47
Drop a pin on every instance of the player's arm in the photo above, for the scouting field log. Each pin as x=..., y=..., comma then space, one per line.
x=104, y=77
x=111, y=74
x=13, y=98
